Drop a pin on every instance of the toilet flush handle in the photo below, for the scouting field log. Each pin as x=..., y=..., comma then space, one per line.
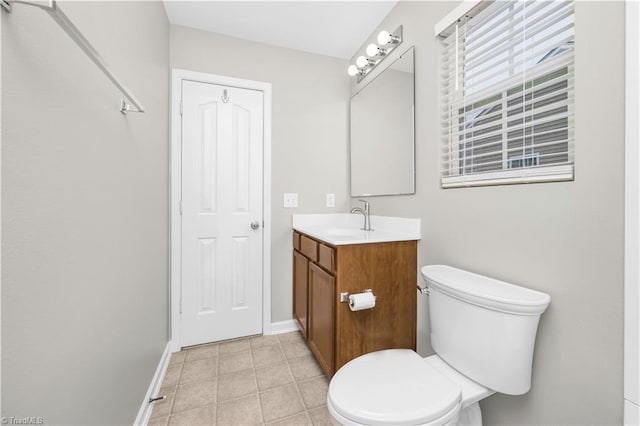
x=423, y=290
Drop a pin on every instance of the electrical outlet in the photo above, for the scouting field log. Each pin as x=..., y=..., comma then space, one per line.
x=331, y=200
x=290, y=200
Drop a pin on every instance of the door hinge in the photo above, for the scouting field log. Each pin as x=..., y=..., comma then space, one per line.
x=180, y=207
x=180, y=106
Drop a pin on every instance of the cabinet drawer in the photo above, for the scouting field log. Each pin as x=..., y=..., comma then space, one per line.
x=327, y=257
x=296, y=240
x=309, y=248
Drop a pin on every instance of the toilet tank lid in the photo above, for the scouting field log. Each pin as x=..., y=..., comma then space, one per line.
x=484, y=291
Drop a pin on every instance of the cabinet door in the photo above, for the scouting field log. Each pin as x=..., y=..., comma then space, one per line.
x=322, y=320
x=390, y=271
x=301, y=291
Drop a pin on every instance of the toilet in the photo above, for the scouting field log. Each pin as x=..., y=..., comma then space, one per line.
x=483, y=334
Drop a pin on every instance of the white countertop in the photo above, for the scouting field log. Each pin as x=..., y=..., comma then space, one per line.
x=344, y=228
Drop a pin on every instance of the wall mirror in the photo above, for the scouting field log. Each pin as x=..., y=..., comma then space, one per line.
x=382, y=149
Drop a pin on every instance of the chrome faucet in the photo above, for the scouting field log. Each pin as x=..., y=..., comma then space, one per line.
x=365, y=212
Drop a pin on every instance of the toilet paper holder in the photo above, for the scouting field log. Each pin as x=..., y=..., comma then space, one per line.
x=344, y=297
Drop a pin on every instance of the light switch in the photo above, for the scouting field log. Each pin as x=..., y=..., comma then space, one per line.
x=290, y=200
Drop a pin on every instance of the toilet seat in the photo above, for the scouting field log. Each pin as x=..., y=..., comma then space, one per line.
x=392, y=387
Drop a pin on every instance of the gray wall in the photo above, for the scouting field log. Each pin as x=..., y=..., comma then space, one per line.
x=84, y=220
x=562, y=238
x=309, y=130
x=85, y=225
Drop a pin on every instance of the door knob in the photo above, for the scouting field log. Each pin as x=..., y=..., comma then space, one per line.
x=255, y=225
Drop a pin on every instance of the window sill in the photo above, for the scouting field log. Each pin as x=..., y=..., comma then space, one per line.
x=511, y=177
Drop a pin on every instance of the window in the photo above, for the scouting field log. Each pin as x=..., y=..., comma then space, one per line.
x=507, y=95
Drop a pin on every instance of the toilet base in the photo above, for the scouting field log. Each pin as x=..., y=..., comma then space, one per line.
x=470, y=416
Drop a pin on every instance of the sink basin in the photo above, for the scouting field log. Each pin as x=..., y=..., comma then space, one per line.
x=343, y=229
x=345, y=232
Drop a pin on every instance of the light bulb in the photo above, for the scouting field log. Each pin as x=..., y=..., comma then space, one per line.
x=352, y=70
x=384, y=37
x=361, y=62
x=372, y=50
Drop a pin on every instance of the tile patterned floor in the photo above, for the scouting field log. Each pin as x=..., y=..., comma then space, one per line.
x=271, y=380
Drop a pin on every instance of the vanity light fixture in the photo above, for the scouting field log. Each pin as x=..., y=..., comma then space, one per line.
x=363, y=62
x=362, y=66
x=353, y=70
x=385, y=37
x=376, y=52
x=373, y=50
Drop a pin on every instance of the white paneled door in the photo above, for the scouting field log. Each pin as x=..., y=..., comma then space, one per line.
x=222, y=212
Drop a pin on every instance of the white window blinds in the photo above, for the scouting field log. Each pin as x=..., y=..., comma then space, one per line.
x=507, y=95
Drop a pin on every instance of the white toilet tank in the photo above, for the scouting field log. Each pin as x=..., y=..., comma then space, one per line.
x=484, y=328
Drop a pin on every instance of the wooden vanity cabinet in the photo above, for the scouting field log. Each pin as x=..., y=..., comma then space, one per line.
x=336, y=334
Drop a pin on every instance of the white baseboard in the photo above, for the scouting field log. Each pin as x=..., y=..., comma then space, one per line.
x=283, y=327
x=145, y=409
x=279, y=327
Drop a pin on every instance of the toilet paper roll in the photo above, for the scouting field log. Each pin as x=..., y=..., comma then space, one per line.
x=360, y=301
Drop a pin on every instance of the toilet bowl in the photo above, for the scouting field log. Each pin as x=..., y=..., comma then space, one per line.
x=483, y=333
x=399, y=387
